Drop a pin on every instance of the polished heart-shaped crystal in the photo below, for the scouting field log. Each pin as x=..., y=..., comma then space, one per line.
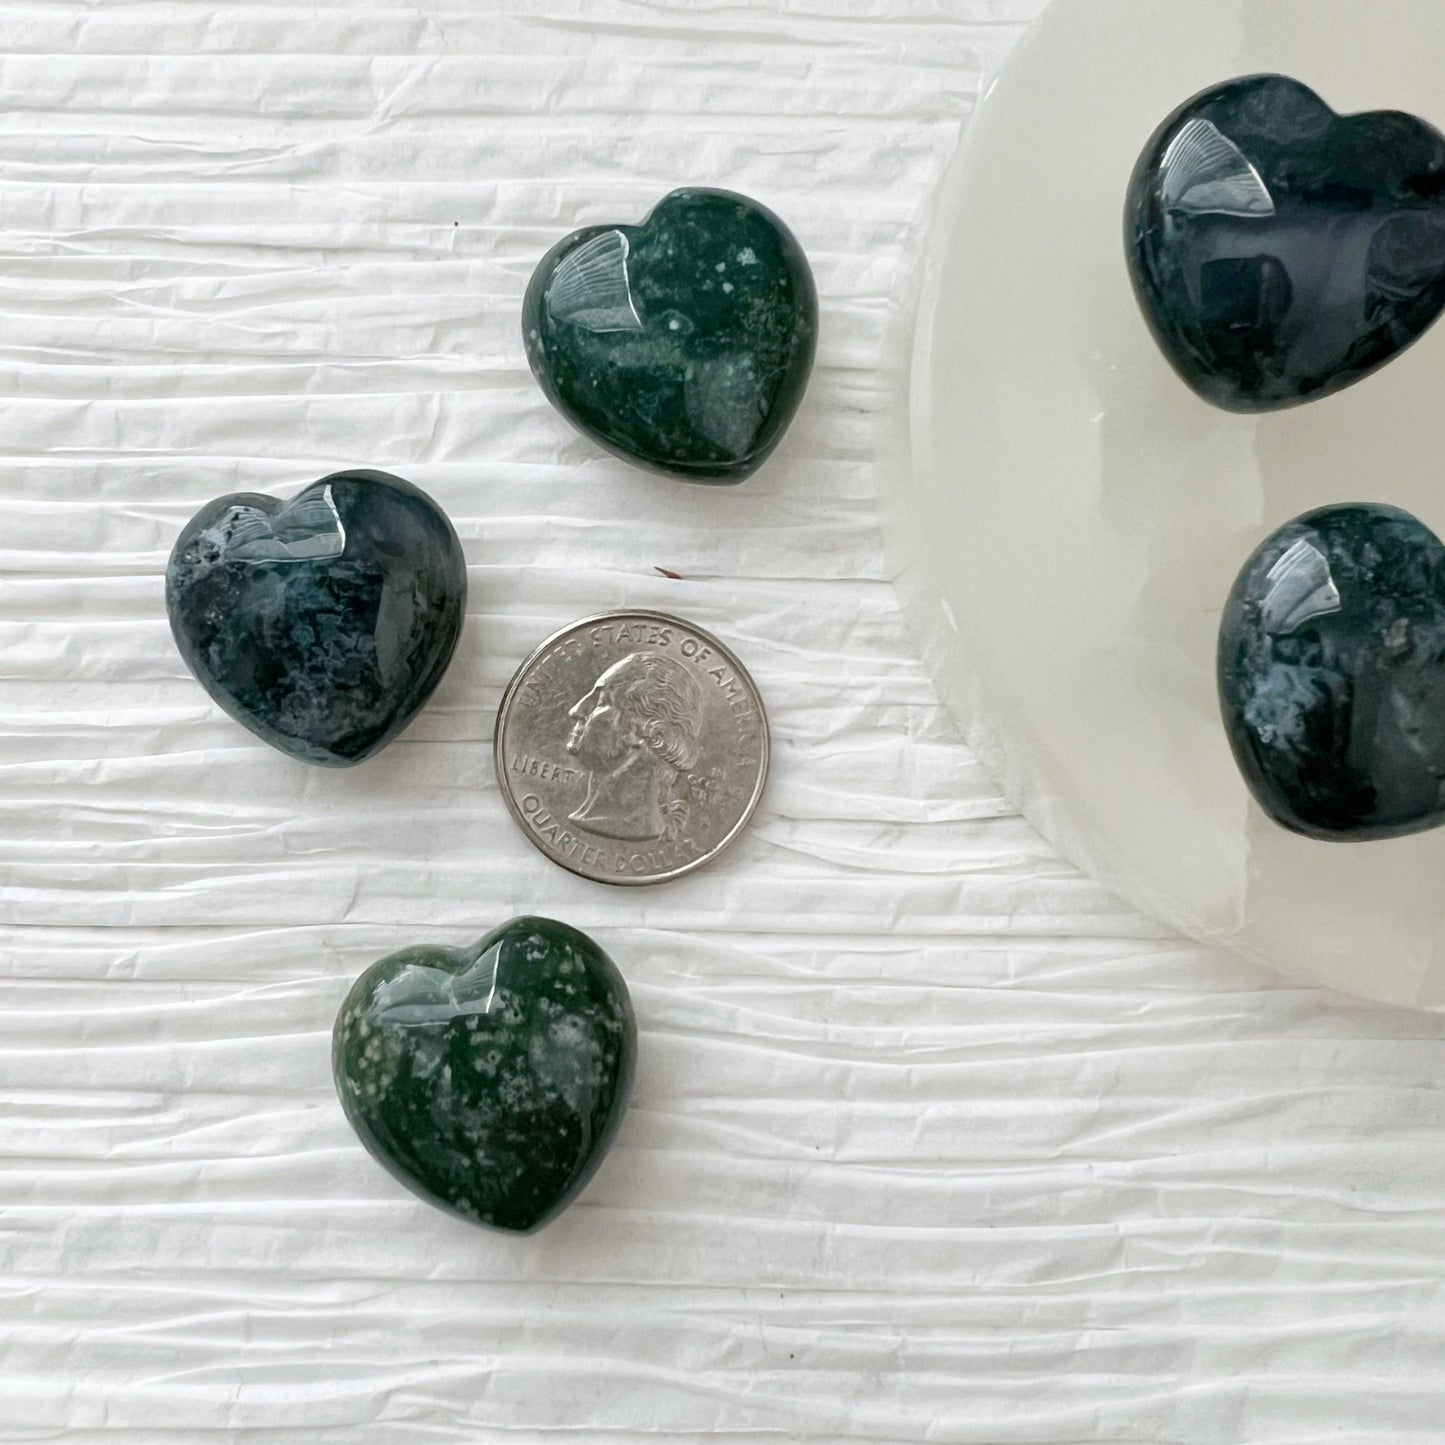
x=490, y=1080
x=1281, y=252
x=324, y=623
x=683, y=343
x=1332, y=674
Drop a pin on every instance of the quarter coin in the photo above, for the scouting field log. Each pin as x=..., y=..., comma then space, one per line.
x=632, y=747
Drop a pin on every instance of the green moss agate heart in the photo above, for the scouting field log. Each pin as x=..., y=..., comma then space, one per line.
x=1332, y=674
x=490, y=1080
x=684, y=343
x=1281, y=252
x=324, y=623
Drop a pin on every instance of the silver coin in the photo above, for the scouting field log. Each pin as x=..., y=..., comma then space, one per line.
x=632, y=747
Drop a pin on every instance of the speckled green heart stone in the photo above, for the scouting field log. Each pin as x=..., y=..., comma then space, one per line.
x=684, y=343
x=490, y=1080
x=324, y=623
x=1281, y=252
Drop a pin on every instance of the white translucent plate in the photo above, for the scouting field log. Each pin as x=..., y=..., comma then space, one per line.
x=1073, y=517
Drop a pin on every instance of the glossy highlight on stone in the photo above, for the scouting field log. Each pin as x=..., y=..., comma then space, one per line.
x=324, y=623
x=1281, y=252
x=490, y=1080
x=683, y=343
x=1332, y=674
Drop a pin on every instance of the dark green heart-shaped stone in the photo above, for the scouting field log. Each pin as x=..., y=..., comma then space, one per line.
x=1281, y=252
x=323, y=623
x=1332, y=674
x=490, y=1080
x=684, y=343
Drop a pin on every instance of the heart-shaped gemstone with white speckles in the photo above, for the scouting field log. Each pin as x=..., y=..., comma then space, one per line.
x=323, y=623
x=683, y=343
x=490, y=1080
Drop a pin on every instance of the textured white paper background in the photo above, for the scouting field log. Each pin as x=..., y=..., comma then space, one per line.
x=931, y=1139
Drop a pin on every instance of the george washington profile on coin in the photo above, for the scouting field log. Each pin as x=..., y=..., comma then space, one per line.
x=637, y=730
